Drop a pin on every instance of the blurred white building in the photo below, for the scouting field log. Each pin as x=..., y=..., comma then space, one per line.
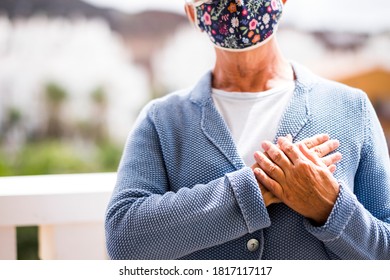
x=78, y=55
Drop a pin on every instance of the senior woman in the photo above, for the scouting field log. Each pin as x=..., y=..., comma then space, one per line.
x=192, y=183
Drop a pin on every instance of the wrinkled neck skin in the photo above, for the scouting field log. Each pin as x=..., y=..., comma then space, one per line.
x=256, y=70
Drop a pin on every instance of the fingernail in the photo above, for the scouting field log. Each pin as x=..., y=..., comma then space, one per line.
x=266, y=146
x=257, y=156
x=336, y=143
x=326, y=136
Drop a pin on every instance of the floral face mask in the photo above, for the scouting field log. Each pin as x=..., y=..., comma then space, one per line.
x=238, y=25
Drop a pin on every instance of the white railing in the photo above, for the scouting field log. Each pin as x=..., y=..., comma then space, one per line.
x=68, y=210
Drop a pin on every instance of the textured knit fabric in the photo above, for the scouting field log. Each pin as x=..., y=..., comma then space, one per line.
x=183, y=192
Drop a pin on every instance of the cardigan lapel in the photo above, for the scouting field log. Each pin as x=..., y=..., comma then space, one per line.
x=297, y=113
x=216, y=130
x=212, y=123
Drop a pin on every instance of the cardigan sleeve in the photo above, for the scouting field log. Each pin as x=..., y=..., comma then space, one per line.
x=359, y=225
x=145, y=220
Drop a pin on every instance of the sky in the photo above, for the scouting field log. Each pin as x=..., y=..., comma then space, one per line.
x=345, y=15
x=134, y=6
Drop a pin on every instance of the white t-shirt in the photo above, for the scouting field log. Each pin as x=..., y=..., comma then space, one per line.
x=253, y=117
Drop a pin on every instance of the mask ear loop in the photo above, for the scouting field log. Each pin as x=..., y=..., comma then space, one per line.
x=194, y=20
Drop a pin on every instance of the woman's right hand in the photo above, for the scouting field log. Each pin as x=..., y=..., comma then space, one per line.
x=320, y=144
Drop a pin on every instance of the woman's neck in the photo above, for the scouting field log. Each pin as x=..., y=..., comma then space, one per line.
x=252, y=71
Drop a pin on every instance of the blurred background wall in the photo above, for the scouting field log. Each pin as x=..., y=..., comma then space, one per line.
x=74, y=74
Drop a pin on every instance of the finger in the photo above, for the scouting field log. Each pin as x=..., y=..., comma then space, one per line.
x=268, y=183
x=332, y=159
x=268, y=196
x=332, y=168
x=276, y=155
x=272, y=199
x=310, y=155
x=290, y=150
x=326, y=148
x=289, y=137
x=268, y=166
x=315, y=140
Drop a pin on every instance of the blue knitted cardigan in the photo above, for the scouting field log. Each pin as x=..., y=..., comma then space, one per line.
x=183, y=192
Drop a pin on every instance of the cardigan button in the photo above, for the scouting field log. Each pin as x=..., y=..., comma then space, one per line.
x=253, y=245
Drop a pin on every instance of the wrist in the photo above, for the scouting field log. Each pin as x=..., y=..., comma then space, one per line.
x=327, y=206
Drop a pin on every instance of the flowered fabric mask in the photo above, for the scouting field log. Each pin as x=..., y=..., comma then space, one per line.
x=238, y=25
